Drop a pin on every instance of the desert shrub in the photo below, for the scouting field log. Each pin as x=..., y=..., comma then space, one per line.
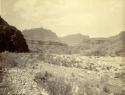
x=53, y=85
x=65, y=61
x=5, y=87
x=6, y=60
x=59, y=87
x=89, y=87
x=114, y=89
x=121, y=76
x=98, y=53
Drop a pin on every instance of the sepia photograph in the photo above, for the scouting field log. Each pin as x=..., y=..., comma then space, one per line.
x=62, y=47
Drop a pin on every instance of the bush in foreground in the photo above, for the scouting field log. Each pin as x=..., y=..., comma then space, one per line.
x=53, y=85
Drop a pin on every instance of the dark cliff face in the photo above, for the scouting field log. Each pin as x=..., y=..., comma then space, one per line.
x=11, y=39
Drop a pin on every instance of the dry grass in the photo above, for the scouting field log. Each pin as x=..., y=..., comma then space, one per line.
x=34, y=74
x=54, y=85
x=6, y=62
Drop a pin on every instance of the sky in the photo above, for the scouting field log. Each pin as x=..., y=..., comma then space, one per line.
x=0, y=8
x=96, y=18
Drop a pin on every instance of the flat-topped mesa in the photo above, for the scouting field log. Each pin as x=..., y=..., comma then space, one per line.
x=11, y=39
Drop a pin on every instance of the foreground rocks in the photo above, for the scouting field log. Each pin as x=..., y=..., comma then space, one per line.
x=11, y=39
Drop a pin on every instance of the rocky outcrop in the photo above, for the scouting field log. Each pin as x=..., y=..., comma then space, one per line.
x=11, y=39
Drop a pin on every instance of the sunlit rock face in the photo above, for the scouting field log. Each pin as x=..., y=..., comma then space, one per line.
x=11, y=39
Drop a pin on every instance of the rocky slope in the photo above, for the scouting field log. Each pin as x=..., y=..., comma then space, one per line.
x=43, y=40
x=11, y=39
x=47, y=47
x=113, y=46
x=74, y=44
x=75, y=39
x=40, y=34
x=106, y=46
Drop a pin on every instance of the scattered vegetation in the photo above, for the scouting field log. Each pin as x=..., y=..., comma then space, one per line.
x=54, y=85
x=36, y=73
x=6, y=62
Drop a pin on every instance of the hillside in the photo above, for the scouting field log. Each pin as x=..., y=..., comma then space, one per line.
x=40, y=34
x=11, y=39
x=75, y=39
x=74, y=44
x=50, y=74
x=107, y=46
x=111, y=46
x=47, y=47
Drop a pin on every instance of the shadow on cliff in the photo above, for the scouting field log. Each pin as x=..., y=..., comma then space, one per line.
x=11, y=39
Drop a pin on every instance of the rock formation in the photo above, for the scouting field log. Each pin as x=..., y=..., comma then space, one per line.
x=40, y=34
x=11, y=39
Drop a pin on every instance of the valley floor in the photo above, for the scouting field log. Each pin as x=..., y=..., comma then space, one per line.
x=51, y=74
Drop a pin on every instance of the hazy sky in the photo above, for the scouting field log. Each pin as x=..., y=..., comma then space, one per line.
x=96, y=18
